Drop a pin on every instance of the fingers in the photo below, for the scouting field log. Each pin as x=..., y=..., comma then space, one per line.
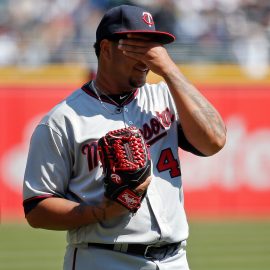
x=131, y=46
x=143, y=187
x=137, y=49
x=137, y=44
x=152, y=54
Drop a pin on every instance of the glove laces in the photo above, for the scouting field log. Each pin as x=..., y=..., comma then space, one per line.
x=129, y=151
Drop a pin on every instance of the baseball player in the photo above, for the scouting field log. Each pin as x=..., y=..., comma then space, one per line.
x=64, y=181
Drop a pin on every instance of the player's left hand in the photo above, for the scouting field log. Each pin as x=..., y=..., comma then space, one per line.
x=126, y=164
x=143, y=49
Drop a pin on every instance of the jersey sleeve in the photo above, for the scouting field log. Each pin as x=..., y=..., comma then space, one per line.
x=48, y=165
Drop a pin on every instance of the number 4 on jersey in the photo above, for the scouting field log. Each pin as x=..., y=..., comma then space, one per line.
x=168, y=162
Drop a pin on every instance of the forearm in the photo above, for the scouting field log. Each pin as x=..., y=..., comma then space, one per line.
x=62, y=214
x=202, y=124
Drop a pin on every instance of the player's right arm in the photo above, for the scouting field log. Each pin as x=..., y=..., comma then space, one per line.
x=61, y=214
x=46, y=185
x=55, y=213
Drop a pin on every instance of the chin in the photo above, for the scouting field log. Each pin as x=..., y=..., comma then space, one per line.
x=137, y=83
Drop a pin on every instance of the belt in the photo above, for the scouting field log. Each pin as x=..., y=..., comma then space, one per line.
x=154, y=251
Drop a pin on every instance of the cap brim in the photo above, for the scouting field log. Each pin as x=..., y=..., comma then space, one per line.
x=158, y=36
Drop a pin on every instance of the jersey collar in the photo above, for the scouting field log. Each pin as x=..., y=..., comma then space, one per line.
x=89, y=91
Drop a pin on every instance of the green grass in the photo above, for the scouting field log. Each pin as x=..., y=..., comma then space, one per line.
x=242, y=245
x=24, y=248
x=239, y=245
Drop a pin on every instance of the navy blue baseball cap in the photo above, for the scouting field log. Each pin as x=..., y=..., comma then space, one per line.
x=122, y=20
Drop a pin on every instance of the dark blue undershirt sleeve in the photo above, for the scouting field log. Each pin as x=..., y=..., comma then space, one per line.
x=184, y=144
x=30, y=204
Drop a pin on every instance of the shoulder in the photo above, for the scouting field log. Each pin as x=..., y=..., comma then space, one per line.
x=60, y=114
x=162, y=86
x=157, y=91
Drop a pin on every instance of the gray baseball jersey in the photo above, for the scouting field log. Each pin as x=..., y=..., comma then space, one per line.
x=63, y=162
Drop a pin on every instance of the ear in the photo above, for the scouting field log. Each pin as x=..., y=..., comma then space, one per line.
x=105, y=49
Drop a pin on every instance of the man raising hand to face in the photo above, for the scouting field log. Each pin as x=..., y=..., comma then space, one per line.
x=65, y=187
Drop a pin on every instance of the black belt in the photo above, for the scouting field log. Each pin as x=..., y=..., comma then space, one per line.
x=147, y=251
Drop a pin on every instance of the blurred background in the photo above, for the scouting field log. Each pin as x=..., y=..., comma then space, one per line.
x=222, y=46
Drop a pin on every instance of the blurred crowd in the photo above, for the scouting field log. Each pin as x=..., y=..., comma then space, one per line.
x=36, y=32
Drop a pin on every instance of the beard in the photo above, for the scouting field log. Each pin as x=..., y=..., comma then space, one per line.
x=137, y=82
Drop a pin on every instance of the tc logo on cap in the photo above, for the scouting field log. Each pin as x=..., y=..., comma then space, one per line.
x=147, y=17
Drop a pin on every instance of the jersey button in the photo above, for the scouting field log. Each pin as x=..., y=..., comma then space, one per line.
x=125, y=109
x=130, y=122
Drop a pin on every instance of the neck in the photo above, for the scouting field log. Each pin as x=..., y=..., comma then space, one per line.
x=110, y=87
x=117, y=99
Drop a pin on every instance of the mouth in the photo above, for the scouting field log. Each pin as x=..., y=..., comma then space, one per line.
x=144, y=70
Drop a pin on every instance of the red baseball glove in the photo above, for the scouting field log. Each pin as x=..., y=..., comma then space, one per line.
x=126, y=164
